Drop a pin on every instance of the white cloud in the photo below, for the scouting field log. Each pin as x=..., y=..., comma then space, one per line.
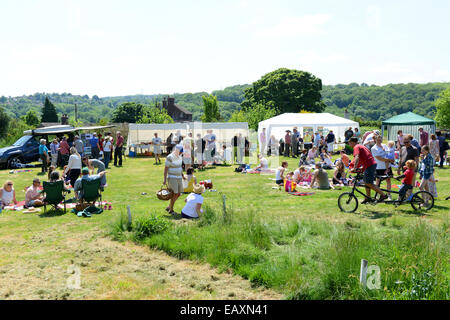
x=373, y=18
x=296, y=26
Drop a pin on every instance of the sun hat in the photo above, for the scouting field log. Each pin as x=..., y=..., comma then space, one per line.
x=199, y=189
x=36, y=180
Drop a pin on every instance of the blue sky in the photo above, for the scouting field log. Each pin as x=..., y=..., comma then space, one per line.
x=120, y=47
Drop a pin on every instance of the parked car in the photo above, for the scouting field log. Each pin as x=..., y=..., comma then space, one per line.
x=24, y=150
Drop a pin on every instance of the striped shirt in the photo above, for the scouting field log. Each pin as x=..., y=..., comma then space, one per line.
x=174, y=164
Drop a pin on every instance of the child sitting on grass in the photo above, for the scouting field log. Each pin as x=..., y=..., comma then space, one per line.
x=408, y=178
x=190, y=181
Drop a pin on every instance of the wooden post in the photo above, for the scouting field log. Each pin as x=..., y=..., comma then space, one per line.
x=224, y=198
x=129, y=216
x=363, y=272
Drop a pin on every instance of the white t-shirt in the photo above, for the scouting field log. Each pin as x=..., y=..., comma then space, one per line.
x=156, y=141
x=191, y=204
x=264, y=163
x=107, y=146
x=379, y=152
x=297, y=175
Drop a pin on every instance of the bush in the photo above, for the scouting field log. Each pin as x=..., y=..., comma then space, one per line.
x=149, y=225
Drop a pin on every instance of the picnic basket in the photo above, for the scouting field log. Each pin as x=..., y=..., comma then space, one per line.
x=165, y=193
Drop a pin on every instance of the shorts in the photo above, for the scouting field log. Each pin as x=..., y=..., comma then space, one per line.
x=382, y=172
x=279, y=181
x=369, y=174
x=185, y=216
x=176, y=185
x=157, y=149
x=187, y=160
x=403, y=189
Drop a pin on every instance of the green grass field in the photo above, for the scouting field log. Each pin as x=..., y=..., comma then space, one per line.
x=286, y=246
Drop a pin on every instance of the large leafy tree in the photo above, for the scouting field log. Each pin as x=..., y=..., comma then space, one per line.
x=210, y=109
x=32, y=118
x=258, y=113
x=4, y=122
x=443, y=110
x=49, y=112
x=132, y=112
x=286, y=90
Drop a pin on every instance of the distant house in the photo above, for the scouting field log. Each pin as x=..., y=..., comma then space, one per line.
x=175, y=111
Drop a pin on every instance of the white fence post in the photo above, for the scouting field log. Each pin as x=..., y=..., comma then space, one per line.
x=363, y=273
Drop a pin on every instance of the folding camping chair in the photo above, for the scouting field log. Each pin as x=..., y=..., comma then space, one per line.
x=54, y=194
x=91, y=192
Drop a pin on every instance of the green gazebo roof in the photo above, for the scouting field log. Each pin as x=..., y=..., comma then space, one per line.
x=408, y=118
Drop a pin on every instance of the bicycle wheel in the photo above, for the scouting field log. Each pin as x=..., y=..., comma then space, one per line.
x=422, y=201
x=347, y=202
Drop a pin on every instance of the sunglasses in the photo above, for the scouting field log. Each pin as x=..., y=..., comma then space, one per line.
x=9, y=184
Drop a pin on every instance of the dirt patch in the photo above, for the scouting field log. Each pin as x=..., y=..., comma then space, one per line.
x=107, y=269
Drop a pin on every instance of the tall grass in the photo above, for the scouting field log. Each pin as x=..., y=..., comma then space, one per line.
x=313, y=259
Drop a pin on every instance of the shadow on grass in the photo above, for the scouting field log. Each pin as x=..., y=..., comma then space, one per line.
x=376, y=215
x=41, y=173
x=52, y=213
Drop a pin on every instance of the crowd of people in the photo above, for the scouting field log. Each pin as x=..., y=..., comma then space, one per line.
x=201, y=151
x=376, y=160
x=294, y=144
x=69, y=154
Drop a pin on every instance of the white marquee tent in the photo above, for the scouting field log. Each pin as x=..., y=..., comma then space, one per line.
x=322, y=122
x=140, y=135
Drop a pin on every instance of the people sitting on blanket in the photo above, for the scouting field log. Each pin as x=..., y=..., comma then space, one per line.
x=263, y=163
x=408, y=179
x=326, y=160
x=189, y=180
x=302, y=176
x=8, y=194
x=33, y=196
x=85, y=176
x=320, y=177
x=340, y=176
x=279, y=177
x=95, y=164
x=303, y=158
x=312, y=154
x=194, y=201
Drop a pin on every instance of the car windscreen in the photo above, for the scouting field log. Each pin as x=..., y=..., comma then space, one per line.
x=21, y=141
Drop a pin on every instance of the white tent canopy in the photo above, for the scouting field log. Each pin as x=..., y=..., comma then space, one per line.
x=143, y=133
x=321, y=122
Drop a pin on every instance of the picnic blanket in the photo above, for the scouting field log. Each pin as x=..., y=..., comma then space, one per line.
x=301, y=193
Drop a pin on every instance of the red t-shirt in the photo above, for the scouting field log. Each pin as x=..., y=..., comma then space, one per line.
x=119, y=141
x=365, y=156
x=409, y=176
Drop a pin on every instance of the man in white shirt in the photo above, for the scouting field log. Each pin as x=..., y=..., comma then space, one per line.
x=380, y=155
x=156, y=141
x=210, y=150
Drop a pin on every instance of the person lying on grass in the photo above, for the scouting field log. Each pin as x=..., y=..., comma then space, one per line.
x=7, y=194
x=85, y=176
x=279, y=177
x=33, y=196
x=320, y=177
x=194, y=201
